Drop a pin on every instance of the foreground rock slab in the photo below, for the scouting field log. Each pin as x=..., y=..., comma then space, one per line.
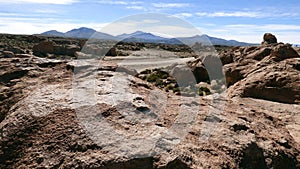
x=85, y=114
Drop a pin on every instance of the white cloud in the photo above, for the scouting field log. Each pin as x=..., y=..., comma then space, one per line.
x=249, y=14
x=128, y=4
x=177, y=28
x=170, y=5
x=266, y=27
x=46, y=11
x=40, y=1
x=135, y=7
x=229, y=14
x=183, y=15
x=35, y=25
x=111, y=2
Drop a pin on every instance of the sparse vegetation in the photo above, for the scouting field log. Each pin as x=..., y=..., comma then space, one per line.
x=164, y=81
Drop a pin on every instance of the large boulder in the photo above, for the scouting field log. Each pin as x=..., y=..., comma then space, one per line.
x=275, y=83
x=199, y=70
x=269, y=39
x=44, y=48
x=183, y=75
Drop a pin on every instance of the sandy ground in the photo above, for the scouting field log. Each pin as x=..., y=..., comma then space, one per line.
x=148, y=59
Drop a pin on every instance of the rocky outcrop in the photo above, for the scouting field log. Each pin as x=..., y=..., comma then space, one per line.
x=265, y=72
x=269, y=39
x=199, y=71
x=19, y=75
x=89, y=113
x=43, y=49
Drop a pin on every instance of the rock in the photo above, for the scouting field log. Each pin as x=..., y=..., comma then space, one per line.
x=71, y=50
x=112, y=52
x=199, y=71
x=85, y=114
x=126, y=70
x=49, y=47
x=278, y=85
x=16, y=50
x=266, y=73
x=260, y=54
x=281, y=52
x=44, y=48
x=184, y=75
x=8, y=54
x=23, y=55
x=53, y=126
x=269, y=39
x=226, y=58
x=82, y=43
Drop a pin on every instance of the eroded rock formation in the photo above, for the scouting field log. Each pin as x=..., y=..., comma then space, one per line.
x=87, y=114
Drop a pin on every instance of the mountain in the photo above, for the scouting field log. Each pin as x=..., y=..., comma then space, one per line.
x=208, y=40
x=53, y=33
x=140, y=36
x=145, y=37
x=82, y=32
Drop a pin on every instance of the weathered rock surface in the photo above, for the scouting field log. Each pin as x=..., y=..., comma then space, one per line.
x=62, y=120
x=87, y=114
x=43, y=49
x=270, y=73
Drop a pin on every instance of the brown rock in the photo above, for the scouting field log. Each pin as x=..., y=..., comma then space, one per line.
x=281, y=52
x=266, y=73
x=206, y=69
x=71, y=50
x=50, y=47
x=44, y=48
x=279, y=86
x=260, y=54
x=84, y=114
x=112, y=52
x=269, y=39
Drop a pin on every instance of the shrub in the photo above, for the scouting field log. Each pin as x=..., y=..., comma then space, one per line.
x=152, y=78
x=204, y=91
x=176, y=89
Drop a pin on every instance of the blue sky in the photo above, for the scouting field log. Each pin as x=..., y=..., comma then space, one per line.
x=230, y=19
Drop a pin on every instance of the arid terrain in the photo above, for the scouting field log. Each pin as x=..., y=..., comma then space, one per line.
x=77, y=103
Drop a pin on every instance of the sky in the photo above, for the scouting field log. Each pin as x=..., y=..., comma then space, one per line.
x=245, y=21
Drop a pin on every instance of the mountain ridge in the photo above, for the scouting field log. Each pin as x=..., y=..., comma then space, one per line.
x=146, y=37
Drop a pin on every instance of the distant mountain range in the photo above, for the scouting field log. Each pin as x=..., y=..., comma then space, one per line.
x=145, y=37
